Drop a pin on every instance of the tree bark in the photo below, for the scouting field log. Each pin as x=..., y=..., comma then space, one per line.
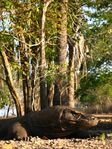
x=43, y=91
x=50, y=94
x=60, y=89
x=25, y=73
x=10, y=82
x=71, y=75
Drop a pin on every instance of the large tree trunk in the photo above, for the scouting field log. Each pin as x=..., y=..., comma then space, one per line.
x=71, y=75
x=60, y=89
x=50, y=88
x=50, y=94
x=77, y=59
x=29, y=56
x=25, y=73
x=10, y=82
x=43, y=91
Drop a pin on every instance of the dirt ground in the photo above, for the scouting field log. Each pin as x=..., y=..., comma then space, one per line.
x=37, y=143
x=99, y=137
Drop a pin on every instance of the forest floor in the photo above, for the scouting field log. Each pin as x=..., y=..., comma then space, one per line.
x=37, y=143
x=102, y=141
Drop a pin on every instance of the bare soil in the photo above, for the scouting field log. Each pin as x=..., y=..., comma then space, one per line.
x=37, y=143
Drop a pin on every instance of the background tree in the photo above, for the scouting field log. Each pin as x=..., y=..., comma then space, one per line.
x=43, y=92
x=54, y=48
x=95, y=87
x=60, y=84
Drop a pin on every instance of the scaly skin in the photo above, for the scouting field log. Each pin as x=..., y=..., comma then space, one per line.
x=53, y=122
x=17, y=131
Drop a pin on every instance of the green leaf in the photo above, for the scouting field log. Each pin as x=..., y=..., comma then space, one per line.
x=102, y=137
x=9, y=5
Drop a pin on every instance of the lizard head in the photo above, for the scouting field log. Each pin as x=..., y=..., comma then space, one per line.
x=86, y=121
x=77, y=119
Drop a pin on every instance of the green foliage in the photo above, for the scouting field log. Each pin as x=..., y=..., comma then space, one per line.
x=99, y=29
x=102, y=137
x=9, y=4
x=5, y=37
x=50, y=53
x=51, y=73
x=96, y=87
x=4, y=97
x=96, y=19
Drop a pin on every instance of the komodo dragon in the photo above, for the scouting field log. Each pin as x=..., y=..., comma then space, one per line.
x=17, y=131
x=53, y=122
x=12, y=128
